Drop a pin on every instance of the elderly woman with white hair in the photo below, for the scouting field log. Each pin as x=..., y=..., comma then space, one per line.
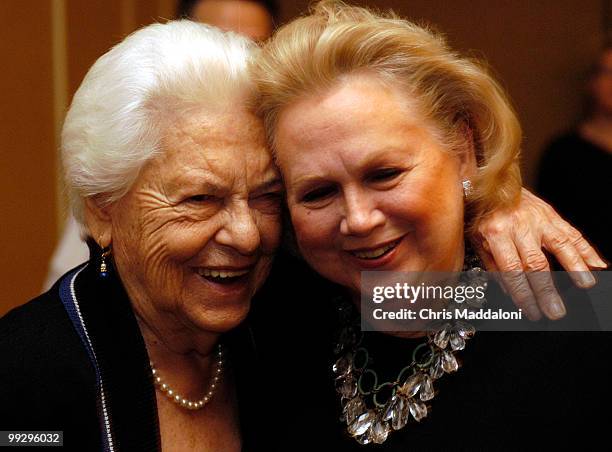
x=172, y=184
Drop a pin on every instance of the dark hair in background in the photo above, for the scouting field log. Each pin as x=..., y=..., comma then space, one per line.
x=588, y=106
x=185, y=8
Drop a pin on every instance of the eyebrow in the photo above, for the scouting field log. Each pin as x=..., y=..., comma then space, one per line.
x=206, y=181
x=309, y=180
x=367, y=162
x=382, y=156
x=272, y=183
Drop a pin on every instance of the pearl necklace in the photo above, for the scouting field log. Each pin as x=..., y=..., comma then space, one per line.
x=182, y=401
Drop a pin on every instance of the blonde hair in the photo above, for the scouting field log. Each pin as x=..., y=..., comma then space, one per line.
x=455, y=93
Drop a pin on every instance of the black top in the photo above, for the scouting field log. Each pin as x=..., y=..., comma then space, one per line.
x=576, y=178
x=47, y=381
x=513, y=389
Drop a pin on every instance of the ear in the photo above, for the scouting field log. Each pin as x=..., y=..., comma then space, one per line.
x=99, y=221
x=467, y=158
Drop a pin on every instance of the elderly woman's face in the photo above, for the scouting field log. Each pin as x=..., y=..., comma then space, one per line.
x=368, y=185
x=195, y=236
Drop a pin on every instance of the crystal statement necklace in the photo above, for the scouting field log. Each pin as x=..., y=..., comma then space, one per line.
x=182, y=401
x=372, y=410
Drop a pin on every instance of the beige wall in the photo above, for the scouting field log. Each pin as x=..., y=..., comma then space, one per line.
x=27, y=176
x=46, y=48
x=540, y=49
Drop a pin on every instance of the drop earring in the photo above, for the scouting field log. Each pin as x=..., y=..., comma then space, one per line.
x=103, y=266
x=467, y=188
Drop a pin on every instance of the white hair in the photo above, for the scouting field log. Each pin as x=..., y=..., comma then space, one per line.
x=110, y=130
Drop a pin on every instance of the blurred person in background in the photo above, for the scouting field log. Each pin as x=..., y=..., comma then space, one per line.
x=576, y=169
x=253, y=18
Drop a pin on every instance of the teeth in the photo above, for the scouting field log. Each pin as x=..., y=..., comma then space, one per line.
x=374, y=253
x=221, y=274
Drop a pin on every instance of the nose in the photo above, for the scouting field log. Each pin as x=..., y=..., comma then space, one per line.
x=240, y=230
x=361, y=214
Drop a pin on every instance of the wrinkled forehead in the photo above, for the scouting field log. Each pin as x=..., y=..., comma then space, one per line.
x=224, y=144
x=234, y=123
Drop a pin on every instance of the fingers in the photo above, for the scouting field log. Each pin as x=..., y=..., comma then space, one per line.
x=559, y=243
x=584, y=249
x=511, y=241
x=539, y=277
x=566, y=243
x=489, y=263
x=514, y=279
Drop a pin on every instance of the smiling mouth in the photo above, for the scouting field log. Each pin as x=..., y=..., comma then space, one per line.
x=376, y=252
x=223, y=276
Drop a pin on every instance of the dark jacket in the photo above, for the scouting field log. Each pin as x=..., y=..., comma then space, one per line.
x=514, y=391
x=48, y=379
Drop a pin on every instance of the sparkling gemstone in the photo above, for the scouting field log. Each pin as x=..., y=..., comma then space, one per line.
x=441, y=337
x=465, y=330
x=400, y=414
x=457, y=342
x=365, y=438
x=379, y=432
x=436, y=370
x=347, y=387
x=388, y=413
x=427, y=391
x=418, y=410
x=449, y=362
x=353, y=408
x=343, y=365
x=412, y=385
x=362, y=424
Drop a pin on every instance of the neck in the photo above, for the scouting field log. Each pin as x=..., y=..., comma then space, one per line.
x=177, y=343
x=185, y=362
x=418, y=327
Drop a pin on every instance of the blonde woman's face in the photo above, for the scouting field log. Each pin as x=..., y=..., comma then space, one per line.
x=369, y=187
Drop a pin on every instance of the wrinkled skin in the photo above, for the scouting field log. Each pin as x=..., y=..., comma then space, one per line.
x=511, y=242
x=210, y=201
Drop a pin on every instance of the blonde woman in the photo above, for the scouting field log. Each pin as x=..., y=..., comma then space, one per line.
x=393, y=148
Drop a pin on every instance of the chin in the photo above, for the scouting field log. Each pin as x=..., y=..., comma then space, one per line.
x=220, y=319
